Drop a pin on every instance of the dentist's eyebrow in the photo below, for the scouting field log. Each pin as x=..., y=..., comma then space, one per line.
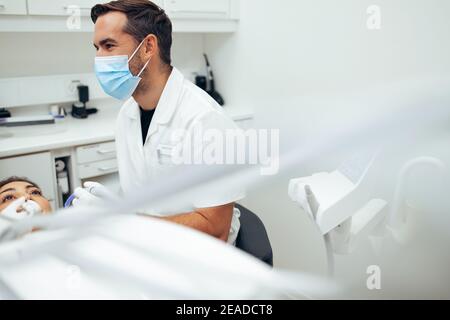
x=6, y=190
x=104, y=41
x=31, y=186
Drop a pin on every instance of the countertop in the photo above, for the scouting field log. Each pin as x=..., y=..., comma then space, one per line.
x=71, y=132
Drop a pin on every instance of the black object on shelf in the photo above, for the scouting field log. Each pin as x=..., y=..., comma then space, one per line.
x=200, y=81
x=4, y=113
x=79, y=109
x=212, y=90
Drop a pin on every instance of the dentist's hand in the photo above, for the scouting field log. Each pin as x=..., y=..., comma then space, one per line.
x=93, y=193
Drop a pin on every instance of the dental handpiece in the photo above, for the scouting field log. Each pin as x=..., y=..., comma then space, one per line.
x=69, y=200
x=99, y=192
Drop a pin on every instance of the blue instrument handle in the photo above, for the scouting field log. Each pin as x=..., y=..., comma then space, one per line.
x=69, y=200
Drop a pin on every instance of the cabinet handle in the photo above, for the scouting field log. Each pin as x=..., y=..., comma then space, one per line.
x=106, y=151
x=198, y=11
x=77, y=7
x=107, y=168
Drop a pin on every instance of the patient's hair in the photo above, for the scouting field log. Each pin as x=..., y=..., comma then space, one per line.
x=16, y=179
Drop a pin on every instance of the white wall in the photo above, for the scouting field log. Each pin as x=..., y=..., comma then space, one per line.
x=288, y=49
x=38, y=54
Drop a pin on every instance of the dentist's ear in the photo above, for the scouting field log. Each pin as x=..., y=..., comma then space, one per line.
x=150, y=46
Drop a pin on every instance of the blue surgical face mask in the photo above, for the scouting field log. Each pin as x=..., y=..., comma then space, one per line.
x=114, y=75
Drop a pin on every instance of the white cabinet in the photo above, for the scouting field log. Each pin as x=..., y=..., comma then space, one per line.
x=37, y=167
x=95, y=169
x=198, y=9
x=13, y=7
x=200, y=16
x=96, y=160
x=176, y=9
x=96, y=152
x=61, y=7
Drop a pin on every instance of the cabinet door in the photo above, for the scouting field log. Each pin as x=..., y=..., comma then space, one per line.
x=13, y=7
x=36, y=167
x=198, y=9
x=60, y=7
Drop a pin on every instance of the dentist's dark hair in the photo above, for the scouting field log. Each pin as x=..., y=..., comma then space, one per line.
x=143, y=18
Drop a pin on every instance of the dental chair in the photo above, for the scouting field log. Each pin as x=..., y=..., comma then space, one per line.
x=252, y=237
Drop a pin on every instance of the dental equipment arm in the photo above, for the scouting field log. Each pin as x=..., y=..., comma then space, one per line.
x=341, y=209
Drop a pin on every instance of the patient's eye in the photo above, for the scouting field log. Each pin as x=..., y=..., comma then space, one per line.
x=36, y=192
x=8, y=197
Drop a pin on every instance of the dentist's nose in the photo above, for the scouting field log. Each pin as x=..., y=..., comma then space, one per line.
x=28, y=197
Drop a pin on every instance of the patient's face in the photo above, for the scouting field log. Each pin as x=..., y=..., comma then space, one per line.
x=17, y=189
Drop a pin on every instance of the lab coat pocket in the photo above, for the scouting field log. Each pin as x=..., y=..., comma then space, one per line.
x=164, y=153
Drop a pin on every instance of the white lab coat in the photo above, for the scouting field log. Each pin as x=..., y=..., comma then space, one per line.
x=183, y=106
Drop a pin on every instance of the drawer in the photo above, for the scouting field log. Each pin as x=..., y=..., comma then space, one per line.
x=14, y=7
x=98, y=168
x=96, y=152
x=60, y=7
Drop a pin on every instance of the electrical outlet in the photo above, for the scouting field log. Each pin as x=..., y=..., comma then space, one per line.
x=72, y=87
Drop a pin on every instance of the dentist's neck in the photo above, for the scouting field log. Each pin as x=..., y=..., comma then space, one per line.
x=153, y=83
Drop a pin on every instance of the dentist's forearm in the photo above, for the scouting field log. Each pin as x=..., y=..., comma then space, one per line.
x=196, y=221
x=215, y=221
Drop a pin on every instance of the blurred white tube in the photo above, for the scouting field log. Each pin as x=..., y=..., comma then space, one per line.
x=397, y=215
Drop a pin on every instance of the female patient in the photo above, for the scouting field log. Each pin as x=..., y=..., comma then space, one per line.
x=19, y=197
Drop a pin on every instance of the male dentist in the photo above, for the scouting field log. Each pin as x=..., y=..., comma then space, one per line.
x=133, y=40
